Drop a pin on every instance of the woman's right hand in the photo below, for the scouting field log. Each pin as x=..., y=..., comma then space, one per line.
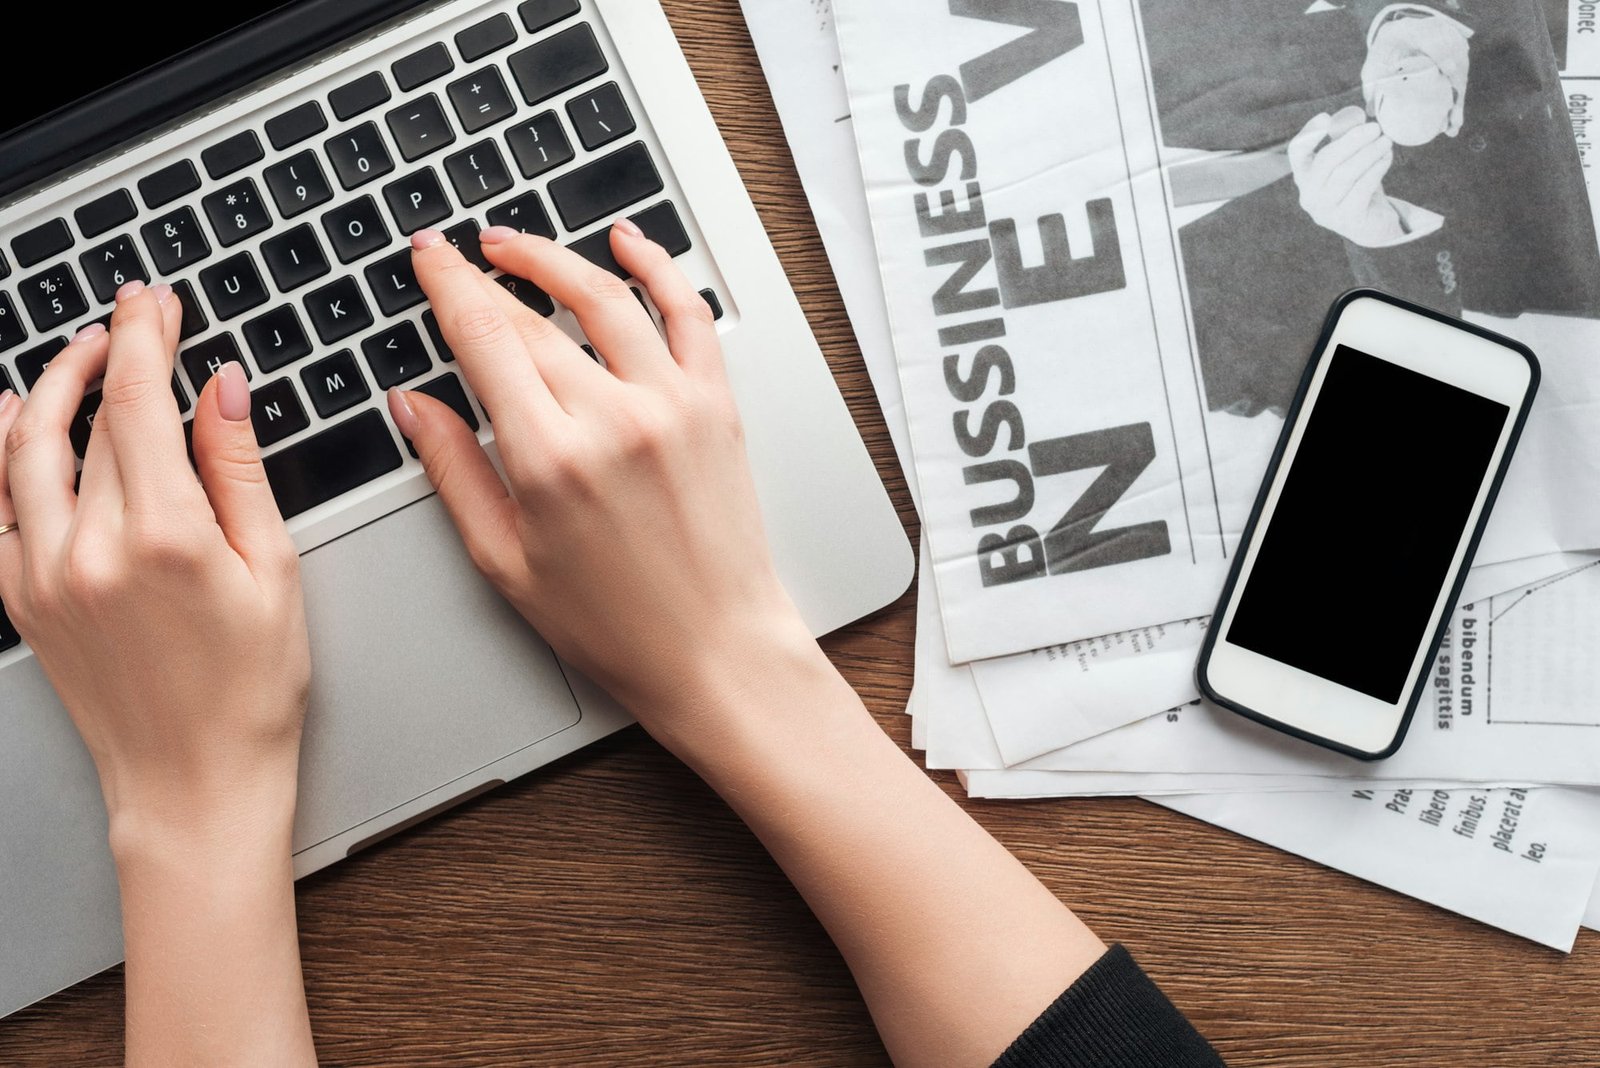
x=626, y=529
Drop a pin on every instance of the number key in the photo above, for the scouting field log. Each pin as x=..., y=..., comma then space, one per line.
x=53, y=297
x=419, y=127
x=298, y=184
x=236, y=212
x=481, y=99
x=12, y=332
x=175, y=241
x=359, y=156
x=110, y=265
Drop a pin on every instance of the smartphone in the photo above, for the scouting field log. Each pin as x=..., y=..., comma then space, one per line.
x=1367, y=520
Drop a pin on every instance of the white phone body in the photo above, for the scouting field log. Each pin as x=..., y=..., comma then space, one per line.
x=1330, y=619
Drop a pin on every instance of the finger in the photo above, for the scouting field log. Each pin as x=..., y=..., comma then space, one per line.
x=484, y=339
x=1366, y=185
x=1342, y=179
x=138, y=408
x=1303, y=145
x=41, y=465
x=10, y=544
x=691, y=330
x=459, y=469
x=611, y=317
x=1340, y=149
x=229, y=463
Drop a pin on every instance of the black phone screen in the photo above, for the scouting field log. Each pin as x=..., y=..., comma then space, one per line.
x=1371, y=512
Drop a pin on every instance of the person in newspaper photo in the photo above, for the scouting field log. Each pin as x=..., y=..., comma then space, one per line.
x=1316, y=145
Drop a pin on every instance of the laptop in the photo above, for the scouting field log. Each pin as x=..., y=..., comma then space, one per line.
x=271, y=168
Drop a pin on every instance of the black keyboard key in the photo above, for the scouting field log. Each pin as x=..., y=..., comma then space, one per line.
x=5, y=268
x=175, y=241
x=335, y=384
x=5, y=381
x=478, y=173
x=659, y=223
x=9, y=638
x=53, y=297
x=490, y=35
x=359, y=156
x=529, y=294
x=420, y=68
x=208, y=357
x=363, y=94
x=82, y=424
x=112, y=264
x=237, y=212
x=710, y=297
x=393, y=283
x=296, y=124
x=464, y=236
x=396, y=355
x=12, y=332
x=42, y=242
x=194, y=317
x=539, y=145
x=525, y=213
x=420, y=127
x=481, y=99
x=31, y=364
x=537, y=14
x=234, y=154
x=105, y=213
x=276, y=412
x=179, y=395
x=334, y=462
x=605, y=186
x=447, y=388
x=417, y=200
x=234, y=286
x=600, y=116
x=337, y=310
x=558, y=63
x=431, y=322
x=355, y=229
x=295, y=257
x=298, y=184
x=277, y=339
x=169, y=183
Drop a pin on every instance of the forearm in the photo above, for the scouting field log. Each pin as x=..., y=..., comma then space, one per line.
x=213, y=972
x=956, y=946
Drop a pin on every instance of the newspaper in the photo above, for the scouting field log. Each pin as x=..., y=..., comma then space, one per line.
x=1106, y=255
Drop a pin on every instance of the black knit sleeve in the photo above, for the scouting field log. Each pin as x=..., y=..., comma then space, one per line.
x=1112, y=1017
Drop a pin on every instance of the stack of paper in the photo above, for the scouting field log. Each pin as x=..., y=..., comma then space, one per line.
x=1068, y=239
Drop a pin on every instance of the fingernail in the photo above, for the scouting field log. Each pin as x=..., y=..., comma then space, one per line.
x=496, y=235
x=233, y=392
x=405, y=416
x=629, y=227
x=130, y=290
x=5, y=399
x=427, y=239
x=89, y=331
x=163, y=293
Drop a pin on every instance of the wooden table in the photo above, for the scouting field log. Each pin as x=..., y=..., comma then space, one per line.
x=609, y=910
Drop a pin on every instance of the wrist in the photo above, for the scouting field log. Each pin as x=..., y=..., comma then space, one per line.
x=204, y=824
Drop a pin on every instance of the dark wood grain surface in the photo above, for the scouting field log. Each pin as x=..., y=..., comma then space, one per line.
x=609, y=910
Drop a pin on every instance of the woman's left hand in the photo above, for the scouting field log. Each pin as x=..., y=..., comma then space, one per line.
x=165, y=611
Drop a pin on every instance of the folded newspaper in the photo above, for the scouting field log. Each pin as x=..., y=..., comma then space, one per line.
x=1109, y=232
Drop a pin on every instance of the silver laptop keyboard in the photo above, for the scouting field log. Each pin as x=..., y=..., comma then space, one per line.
x=287, y=240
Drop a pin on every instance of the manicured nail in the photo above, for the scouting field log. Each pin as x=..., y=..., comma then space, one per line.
x=629, y=227
x=405, y=416
x=5, y=399
x=498, y=235
x=163, y=293
x=427, y=239
x=233, y=392
x=89, y=331
x=130, y=290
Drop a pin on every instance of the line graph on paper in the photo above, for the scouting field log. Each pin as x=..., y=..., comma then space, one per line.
x=1531, y=656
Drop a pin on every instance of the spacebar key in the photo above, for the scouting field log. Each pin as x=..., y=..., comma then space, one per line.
x=333, y=462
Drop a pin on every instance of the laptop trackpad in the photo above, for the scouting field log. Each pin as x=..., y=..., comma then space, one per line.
x=421, y=673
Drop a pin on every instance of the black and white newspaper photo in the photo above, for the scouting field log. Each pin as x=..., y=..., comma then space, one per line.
x=1109, y=235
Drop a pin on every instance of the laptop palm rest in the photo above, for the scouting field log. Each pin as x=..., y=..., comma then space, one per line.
x=422, y=674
